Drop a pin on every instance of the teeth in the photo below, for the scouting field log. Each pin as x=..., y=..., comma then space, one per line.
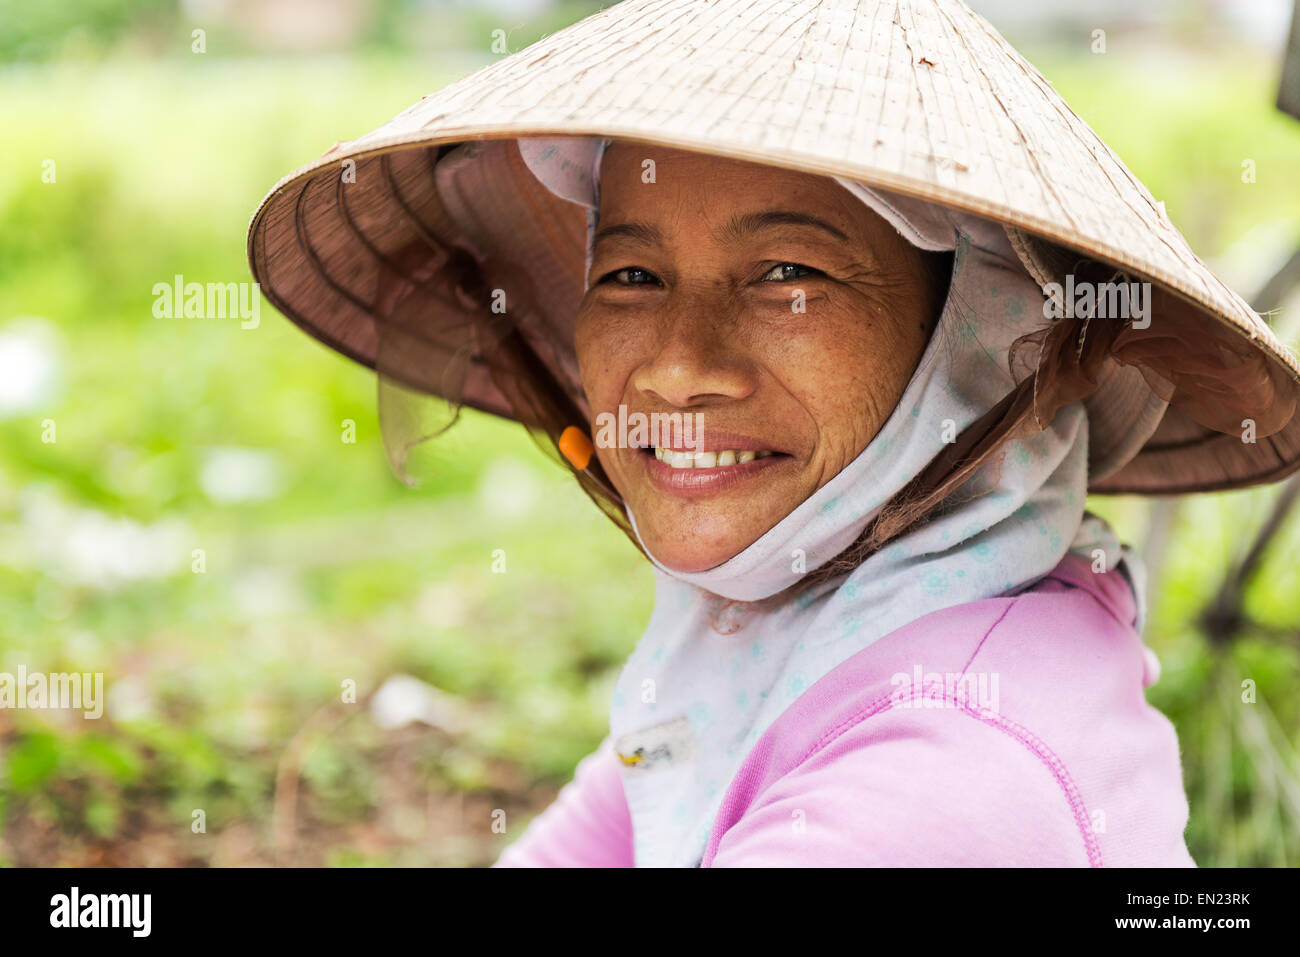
x=707, y=460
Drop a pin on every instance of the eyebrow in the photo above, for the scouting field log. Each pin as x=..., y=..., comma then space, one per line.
x=740, y=226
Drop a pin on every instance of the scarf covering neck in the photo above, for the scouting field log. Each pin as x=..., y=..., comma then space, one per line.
x=707, y=678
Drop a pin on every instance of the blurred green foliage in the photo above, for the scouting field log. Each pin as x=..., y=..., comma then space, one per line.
x=331, y=571
x=34, y=31
x=336, y=572
x=87, y=30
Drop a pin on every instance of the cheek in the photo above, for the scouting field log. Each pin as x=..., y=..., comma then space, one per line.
x=597, y=352
x=845, y=362
x=612, y=339
x=831, y=350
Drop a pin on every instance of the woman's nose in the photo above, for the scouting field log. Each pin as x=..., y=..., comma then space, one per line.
x=696, y=355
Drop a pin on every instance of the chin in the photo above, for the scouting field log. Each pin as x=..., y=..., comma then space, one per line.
x=689, y=561
x=695, y=555
x=712, y=537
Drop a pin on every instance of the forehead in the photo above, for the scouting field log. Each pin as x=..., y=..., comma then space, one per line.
x=710, y=191
x=679, y=172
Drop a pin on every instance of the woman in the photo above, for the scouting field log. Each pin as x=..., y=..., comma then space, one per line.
x=913, y=312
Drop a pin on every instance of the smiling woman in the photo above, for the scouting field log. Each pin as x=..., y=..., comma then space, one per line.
x=884, y=516
x=791, y=331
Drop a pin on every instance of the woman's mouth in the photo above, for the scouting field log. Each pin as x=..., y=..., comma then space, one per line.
x=708, y=460
x=691, y=473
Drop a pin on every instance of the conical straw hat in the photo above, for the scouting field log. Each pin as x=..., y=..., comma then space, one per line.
x=919, y=97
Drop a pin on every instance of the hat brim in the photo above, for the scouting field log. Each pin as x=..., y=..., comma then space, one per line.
x=319, y=259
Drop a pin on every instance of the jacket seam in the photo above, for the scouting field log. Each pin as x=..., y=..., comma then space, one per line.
x=980, y=646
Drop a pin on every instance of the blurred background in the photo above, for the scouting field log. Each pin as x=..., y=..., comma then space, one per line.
x=180, y=508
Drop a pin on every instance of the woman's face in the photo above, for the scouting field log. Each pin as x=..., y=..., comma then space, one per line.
x=771, y=302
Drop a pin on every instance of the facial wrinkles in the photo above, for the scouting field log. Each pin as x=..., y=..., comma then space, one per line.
x=863, y=295
x=814, y=385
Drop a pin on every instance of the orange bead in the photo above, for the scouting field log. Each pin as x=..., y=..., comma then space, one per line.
x=577, y=448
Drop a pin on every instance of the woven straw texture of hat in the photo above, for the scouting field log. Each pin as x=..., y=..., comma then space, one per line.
x=922, y=97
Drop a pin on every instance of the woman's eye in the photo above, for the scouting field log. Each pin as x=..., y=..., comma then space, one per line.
x=636, y=276
x=782, y=276
x=629, y=272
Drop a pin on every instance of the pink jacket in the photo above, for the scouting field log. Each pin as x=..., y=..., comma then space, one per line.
x=1060, y=763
